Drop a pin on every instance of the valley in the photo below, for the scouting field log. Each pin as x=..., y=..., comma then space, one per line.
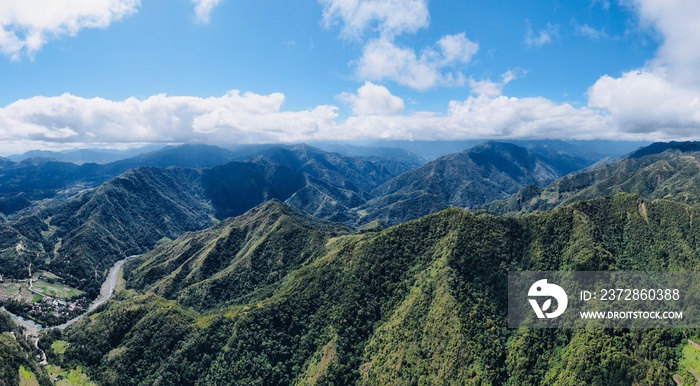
x=300, y=266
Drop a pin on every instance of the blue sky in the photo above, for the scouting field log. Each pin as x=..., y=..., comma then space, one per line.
x=126, y=72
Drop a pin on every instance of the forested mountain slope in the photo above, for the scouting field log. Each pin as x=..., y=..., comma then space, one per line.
x=422, y=302
x=81, y=237
x=16, y=354
x=668, y=171
x=484, y=173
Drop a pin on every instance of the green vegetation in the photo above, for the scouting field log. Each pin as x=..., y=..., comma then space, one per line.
x=276, y=296
x=689, y=365
x=671, y=175
x=24, y=373
x=27, y=378
x=81, y=237
x=17, y=365
x=59, y=347
x=487, y=172
x=73, y=377
x=420, y=303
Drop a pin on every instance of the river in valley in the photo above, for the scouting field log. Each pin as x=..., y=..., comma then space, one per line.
x=31, y=328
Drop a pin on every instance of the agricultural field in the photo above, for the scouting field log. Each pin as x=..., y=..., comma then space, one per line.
x=48, y=285
x=68, y=377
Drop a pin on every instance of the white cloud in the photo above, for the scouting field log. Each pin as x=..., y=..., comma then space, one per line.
x=372, y=99
x=69, y=121
x=388, y=17
x=26, y=25
x=382, y=59
x=203, y=9
x=487, y=117
x=456, y=49
x=677, y=22
x=662, y=99
x=489, y=88
x=646, y=102
x=234, y=117
x=544, y=36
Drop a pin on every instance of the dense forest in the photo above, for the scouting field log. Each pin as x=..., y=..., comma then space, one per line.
x=16, y=356
x=285, y=292
x=420, y=303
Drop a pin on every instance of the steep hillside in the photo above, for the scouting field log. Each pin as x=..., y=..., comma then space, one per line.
x=15, y=354
x=81, y=237
x=84, y=236
x=668, y=171
x=223, y=264
x=333, y=184
x=423, y=302
x=484, y=173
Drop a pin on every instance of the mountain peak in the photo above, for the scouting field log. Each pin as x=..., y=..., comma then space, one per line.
x=660, y=147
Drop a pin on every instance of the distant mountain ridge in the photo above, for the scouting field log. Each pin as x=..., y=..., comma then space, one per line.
x=25, y=182
x=660, y=147
x=82, y=236
x=81, y=156
x=493, y=170
x=661, y=170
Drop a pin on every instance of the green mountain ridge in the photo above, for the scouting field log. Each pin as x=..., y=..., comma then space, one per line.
x=25, y=183
x=487, y=172
x=81, y=237
x=223, y=264
x=669, y=174
x=419, y=303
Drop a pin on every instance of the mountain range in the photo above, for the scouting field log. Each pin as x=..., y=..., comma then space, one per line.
x=662, y=170
x=80, y=237
x=490, y=171
x=272, y=264
x=422, y=302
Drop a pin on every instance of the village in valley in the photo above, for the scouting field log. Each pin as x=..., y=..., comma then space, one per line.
x=42, y=297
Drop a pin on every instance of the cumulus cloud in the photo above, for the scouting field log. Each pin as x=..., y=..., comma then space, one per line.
x=487, y=117
x=646, y=102
x=379, y=22
x=372, y=99
x=233, y=117
x=677, y=22
x=203, y=9
x=662, y=98
x=26, y=25
x=489, y=88
x=382, y=59
x=69, y=121
x=456, y=49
